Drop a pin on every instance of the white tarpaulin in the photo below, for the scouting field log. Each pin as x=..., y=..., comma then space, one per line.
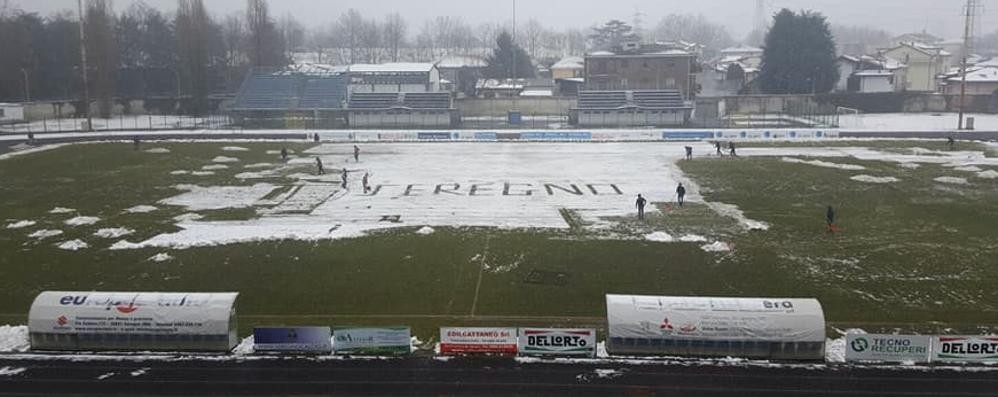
x=132, y=313
x=720, y=319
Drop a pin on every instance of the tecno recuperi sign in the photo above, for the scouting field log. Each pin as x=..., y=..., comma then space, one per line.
x=887, y=348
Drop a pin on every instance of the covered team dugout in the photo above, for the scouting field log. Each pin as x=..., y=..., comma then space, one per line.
x=781, y=329
x=130, y=321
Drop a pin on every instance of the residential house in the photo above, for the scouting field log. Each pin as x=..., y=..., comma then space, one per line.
x=981, y=80
x=635, y=67
x=568, y=68
x=869, y=74
x=393, y=78
x=924, y=62
x=459, y=73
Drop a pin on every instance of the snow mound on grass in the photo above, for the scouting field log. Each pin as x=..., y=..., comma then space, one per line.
x=718, y=246
x=732, y=211
x=910, y=166
x=875, y=179
x=256, y=175
x=223, y=159
x=73, y=245
x=258, y=165
x=952, y=180
x=14, y=339
x=158, y=150
x=426, y=231
x=141, y=209
x=161, y=257
x=45, y=233
x=83, y=221
x=819, y=163
x=219, y=197
x=124, y=245
x=202, y=173
x=180, y=172
x=188, y=217
x=234, y=149
x=279, y=152
x=970, y=168
x=215, y=167
x=21, y=224
x=113, y=232
x=989, y=174
x=61, y=210
x=693, y=238
x=660, y=237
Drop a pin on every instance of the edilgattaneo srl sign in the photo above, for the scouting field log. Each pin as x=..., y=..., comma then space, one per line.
x=459, y=341
x=557, y=342
x=965, y=349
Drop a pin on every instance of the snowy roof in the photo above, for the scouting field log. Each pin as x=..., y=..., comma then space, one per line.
x=570, y=63
x=601, y=53
x=537, y=93
x=317, y=69
x=392, y=68
x=874, y=73
x=982, y=75
x=461, y=61
x=741, y=49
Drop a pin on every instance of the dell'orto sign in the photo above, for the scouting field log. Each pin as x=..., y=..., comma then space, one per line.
x=478, y=341
x=557, y=342
x=313, y=340
x=887, y=348
x=965, y=349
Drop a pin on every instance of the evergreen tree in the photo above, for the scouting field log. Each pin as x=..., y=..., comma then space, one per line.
x=500, y=63
x=799, y=56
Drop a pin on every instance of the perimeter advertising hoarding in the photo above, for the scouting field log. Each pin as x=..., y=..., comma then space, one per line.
x=557, y=342
x=372, y=341
x=314, y=340
x=977, y=349
x=887, y=348
x=455, y=341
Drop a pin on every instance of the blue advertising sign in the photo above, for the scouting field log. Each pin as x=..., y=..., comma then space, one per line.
x=557, y=136
x=436, y=136
x=486, y=136
x=314, y=340
x=686, y=135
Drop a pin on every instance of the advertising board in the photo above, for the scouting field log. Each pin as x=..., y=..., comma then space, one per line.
x=372, y=341
x=455, y=341
x=977, y=349
x=887, y=348
x=557, y=342
x=315, y=340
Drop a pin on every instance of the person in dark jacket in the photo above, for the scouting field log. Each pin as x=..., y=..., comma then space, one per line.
x=681, y=194
x=356, y=154
x=717, y=145
x=830, y=218
x=731, y=148
x=641, y=207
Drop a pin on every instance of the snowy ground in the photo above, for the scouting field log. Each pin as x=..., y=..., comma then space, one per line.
x=914, y=122
x=467, y=184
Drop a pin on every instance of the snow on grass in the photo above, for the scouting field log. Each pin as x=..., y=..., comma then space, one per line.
x=82, y=221
x=160, y=257
x=215, y=167
x=660, y=237
x=12, y=371
x=910, y=166
x=234, y=149
x=45, y=233
x=203, y=173
x=989, y=174
x=110, y=233
x=875, y=179
x=819, y=163
x=14, y=339
x=107, y=375
x=426, y=231
x=61, y=210
x=223, y=159
x=21, y=224
x=73, y=245
x=718, y=246
x=256, y=175
x=693, y=238
x=158, y=150
x=279, y=152
x=141, y=209
x=952, y=180
x=199, y=198
x=970, y=168
x=139, y=372
x=190, y=216
x=179, y=172
x=246, y=347
x=732, y=211
x=258, y=166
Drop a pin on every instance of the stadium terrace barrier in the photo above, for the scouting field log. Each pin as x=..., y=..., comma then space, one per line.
x=130, y=321
x=573, y=135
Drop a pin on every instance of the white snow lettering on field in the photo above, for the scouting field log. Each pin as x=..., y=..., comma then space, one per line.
x=224, y=159
x=875, y=179
x=952, y=180
x=45, y=233
x=141, y=209
x=73, y=245
x=21, y=224
x=110, y=233
x=82, y=221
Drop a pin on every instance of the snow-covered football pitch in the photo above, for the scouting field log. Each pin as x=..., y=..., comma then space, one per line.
x=472, y=233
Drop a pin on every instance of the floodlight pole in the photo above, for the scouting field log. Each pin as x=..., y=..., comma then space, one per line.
x=83, y=69
x=968, y=34
x=514, y=42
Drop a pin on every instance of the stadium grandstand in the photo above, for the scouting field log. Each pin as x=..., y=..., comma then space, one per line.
x=322, y=96
x=665, y=108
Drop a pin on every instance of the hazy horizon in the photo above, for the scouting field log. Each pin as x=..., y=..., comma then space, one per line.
x=895, y=16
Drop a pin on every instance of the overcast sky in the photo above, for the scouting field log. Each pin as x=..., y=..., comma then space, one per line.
x=941, y=17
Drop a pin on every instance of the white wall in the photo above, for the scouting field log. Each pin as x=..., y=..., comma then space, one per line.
x=875, y=84
x=11, y=113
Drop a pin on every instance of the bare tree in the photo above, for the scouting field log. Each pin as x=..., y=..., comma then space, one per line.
x=395, y=30
x=370, y=41
x=103, y=54
x=193, y=30
x=426, y=42
x=575, y=42
x=696, y=29
x=533, y=31
x=859, y=39
x=293, y=33
x=265, y=42
x=234, y=43
x=347, y=32
x=486, y=35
